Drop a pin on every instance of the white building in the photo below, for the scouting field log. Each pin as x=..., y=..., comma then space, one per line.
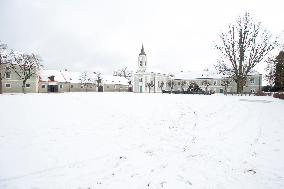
x=214, y=82
x=147, y=81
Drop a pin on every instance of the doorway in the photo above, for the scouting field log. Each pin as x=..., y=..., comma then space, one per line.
x=52, y=88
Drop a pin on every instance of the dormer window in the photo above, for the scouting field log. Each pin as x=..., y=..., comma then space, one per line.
x=8, y=75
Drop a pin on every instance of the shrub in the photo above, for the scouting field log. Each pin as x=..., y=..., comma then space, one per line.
x=260, y=93
x=279, y=95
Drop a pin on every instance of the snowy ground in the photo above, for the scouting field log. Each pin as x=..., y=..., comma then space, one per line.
x=126, y=140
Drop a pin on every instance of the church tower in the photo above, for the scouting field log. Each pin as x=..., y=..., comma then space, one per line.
x=142, y=61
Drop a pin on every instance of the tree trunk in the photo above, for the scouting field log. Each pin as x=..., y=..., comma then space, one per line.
x=239, y=86
x=23, y=87
x=1, y=84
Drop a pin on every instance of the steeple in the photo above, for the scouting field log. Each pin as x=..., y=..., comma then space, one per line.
x=142, y=60
x=142, y=51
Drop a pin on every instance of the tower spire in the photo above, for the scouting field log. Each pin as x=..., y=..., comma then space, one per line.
x=142, y=51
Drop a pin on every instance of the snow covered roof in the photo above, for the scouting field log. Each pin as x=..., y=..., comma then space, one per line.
x=110, y=79
x=45, y=74
x=253, y=72
x=205, y=74
x=60, y=76
x=72, y=77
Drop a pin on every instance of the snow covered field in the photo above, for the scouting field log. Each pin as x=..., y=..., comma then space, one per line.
x=126, y=140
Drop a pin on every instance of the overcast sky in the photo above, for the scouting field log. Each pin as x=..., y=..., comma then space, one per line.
x=104, y=35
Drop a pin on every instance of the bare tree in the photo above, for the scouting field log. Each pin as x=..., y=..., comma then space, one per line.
x=242, y=47
x=25, y=66
x=171, y=84
x=270, y=69
x=226, y=82
x=206, y=83
x=150, y=85
x=98, y=80
x=161, y=85
x=123, y=73
x=3, y=60
x=182, y=84
x=87, y=81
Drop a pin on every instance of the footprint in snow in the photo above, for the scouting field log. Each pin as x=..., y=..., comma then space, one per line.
x=162, y=184
x=250, y=171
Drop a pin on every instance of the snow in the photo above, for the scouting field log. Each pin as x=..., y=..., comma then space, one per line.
x=74, y=77
x=204, y=74
x=60, y=76
x=187, y=75
x=45, y=74
x=130, y=140
x=110, y=79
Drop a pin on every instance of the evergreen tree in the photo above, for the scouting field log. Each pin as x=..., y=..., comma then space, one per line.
x=279, y=72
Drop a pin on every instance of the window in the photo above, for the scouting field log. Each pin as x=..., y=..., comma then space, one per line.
x=60, y=86
x=8, y=75
x=140, y=80
x=71, y=86
x=178, y=83
x=251, y=81
x=43, y=86
x=8, y=85
x=252, y=90
x=215, y=82
x=28, y=85
x=140, y=63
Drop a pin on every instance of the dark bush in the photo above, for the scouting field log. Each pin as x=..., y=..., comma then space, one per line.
x=279, y=95
x=260, y=93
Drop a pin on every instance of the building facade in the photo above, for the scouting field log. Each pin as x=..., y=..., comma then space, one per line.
x=213, y=82
x=11, y=82
x=143, y=81
x=147, y=81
